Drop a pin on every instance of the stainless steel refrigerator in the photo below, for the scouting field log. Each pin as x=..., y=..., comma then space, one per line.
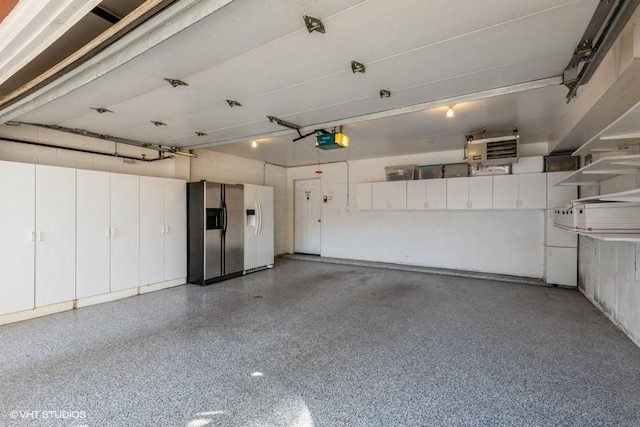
x=215, y=236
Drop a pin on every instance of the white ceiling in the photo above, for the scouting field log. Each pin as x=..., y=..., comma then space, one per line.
x=260, y=54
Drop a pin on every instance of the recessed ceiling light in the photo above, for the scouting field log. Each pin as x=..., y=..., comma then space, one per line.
x=385, y=93
x=201, y=133
x=157, y=123
x=233, y=103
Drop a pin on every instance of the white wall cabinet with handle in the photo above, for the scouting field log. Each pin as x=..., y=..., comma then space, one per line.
x=524, y=191
x=389, y=195
x=125, y=230
x=427, y=194
x=469, y=193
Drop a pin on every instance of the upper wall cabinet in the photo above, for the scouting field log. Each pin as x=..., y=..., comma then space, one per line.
x=427, y=194
x=363, y=196
x=389, y=195
x=470, y=193
x=524, y=191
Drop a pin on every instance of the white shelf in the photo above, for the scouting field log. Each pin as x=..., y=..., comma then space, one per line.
x=622, y=133
x=621, y=237
x=632, y=196
x=603, y=169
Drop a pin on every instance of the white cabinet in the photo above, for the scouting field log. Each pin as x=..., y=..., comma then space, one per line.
x=17, y=236
x=175, y=237
x=524, y=191
x=364, y=195
x=125, y=232
x=427, y=194
x=162, y=229
x=389, y=195
x=55, y=235
x=558, y=196
x=470, y=193
x=258, y=226
x=555, y=236
x=560, y=266
x=93, y=228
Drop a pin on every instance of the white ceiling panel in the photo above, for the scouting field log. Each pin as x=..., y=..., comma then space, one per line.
x=260, y=54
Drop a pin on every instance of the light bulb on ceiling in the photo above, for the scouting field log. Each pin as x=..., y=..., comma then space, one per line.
x=254, y=144
x=450, y=112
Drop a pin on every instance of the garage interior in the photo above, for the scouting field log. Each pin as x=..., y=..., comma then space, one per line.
x=463, y=300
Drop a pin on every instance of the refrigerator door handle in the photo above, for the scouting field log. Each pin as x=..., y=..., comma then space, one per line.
x=255, y=231
x=259, y=218
x=224, y=218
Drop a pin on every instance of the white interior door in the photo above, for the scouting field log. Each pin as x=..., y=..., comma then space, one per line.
x=152, y=230
x=307, y=216
x=93, y=236
x=125, y=232
x=55, y=235
x=17, y=221
x=175, y=238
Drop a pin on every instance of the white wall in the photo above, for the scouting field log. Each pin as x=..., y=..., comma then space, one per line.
x=608, y=272
x=504, y=242
x=229, y=169
x=178, y=167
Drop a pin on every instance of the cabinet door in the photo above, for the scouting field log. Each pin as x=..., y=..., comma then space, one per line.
x=364, y=196
x=125, y=232
x=55, y=235
x=457, y=193
x=152, y=230
x=93, y=236
x=265, y=223
x=532, y=190
x=505, y=192
x=481, y=192
x=436, y=194
x=17, y=218
x=175, y=238
x=560, y=195
x=390, y=195
x=554, y=236
x=561, y=266
x=417, y=194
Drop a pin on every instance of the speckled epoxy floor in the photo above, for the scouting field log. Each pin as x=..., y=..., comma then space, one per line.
x=312, y=344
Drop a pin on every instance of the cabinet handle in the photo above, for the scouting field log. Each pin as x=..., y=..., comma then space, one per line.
x=162, y=229
x=426, y=204
x=107, y=232
x=113, y=232
x=167, y=229
x=39, y=236
x=33, y=236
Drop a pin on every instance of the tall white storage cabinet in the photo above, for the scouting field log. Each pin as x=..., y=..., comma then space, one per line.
x=93, y=228
x=125, y=232
x=55, y=235
x=561, y=247
x=163, y=233
x=17, y=236
x=258, y=230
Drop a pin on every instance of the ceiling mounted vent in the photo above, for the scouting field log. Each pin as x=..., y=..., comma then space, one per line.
x=494, y=151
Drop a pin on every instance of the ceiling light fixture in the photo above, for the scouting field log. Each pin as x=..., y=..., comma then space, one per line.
x=176, y=82
x=450, y=112
x=101, y=110
x=357, y=67
x=385, y=93
x=313, y=24
x=157, y=123
x=254, y=144
x=201, y=133
x=233, y=103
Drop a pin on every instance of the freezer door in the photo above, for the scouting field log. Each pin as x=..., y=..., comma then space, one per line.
x=213, y=237
x=234, y=230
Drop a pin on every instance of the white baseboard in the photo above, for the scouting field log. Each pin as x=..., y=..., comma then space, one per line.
x=162, y=285
x=99, y=299
x=36, y=312
x=88, y=301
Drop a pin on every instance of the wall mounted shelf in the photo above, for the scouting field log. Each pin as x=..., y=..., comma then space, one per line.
x=603, y=169
x=620, y=134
